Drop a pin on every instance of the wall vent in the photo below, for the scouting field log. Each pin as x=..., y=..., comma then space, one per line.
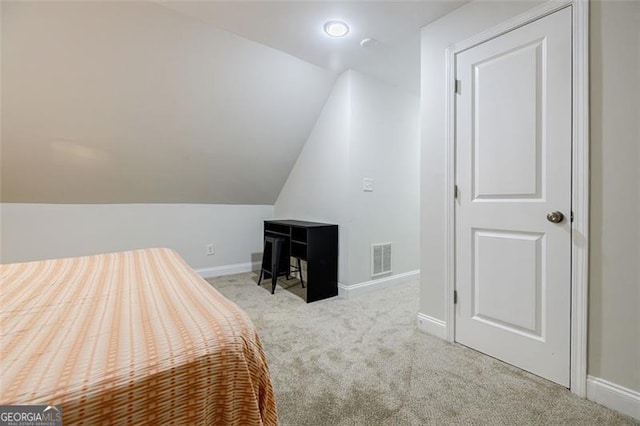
x=380, y=259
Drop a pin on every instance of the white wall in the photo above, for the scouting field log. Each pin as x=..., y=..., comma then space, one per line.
x=315, y=189
x=614, y=278
x=367, y=129
x=44, y=231
x=384, y=145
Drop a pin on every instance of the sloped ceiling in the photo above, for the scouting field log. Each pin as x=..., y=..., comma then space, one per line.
x=180, y=101
x=296, y=27
x=129, y=102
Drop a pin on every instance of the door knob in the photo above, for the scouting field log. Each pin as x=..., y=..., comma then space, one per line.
x=555, y=217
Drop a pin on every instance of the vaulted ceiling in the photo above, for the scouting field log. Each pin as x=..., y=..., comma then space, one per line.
x=296, y=27
x=132, y=102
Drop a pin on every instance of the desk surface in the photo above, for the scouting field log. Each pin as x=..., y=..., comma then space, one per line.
x=300, y=223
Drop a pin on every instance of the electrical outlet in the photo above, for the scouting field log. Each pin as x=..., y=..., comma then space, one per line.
x=367, y=185
x=211, y=249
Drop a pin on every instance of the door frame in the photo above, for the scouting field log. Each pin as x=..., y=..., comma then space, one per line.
x=579, y=175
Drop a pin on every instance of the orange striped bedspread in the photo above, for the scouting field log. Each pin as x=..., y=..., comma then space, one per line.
x=134, y=337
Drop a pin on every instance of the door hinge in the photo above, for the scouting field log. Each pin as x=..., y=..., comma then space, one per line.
x=458, y=87
x=455, y=297
x=572, y=216
x=455, y=191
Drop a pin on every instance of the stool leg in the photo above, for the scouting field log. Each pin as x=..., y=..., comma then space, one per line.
x=275, y=264
x=300, y=272
x=274, y=279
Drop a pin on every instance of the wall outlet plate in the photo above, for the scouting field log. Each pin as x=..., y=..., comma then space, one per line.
x=367, y=184
x=211, y=249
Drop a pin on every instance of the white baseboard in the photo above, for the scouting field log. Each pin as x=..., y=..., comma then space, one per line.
x=431, y=325
x=616, y=397
x=348, y=291
x=218, y=271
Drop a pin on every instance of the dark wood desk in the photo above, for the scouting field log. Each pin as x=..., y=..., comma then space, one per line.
x=315, y=243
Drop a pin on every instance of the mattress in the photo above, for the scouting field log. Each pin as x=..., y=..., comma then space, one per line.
x=132, y=337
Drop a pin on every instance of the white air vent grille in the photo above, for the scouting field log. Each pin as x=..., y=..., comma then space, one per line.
x=380, y=259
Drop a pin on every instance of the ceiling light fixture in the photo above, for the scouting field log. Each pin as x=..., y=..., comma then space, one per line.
x=336, y=28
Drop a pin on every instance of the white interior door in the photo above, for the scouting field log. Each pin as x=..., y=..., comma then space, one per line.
x=513, y=168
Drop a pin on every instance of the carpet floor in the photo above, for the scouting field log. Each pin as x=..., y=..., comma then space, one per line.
x=362, y=361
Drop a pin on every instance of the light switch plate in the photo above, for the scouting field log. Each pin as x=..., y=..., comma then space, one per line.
x=367, y=185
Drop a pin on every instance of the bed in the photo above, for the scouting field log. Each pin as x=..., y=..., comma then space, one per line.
x=131, y=337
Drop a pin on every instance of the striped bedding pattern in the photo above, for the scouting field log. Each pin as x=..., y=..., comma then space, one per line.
x=133, y=337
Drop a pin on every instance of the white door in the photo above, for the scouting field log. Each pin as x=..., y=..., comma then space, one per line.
x=513, y=168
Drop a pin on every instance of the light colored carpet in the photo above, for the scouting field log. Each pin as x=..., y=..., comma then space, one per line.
x=362, y=361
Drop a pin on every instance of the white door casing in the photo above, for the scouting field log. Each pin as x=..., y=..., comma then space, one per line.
x=513, y=167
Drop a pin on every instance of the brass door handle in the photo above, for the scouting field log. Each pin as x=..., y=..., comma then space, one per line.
x=555, y=217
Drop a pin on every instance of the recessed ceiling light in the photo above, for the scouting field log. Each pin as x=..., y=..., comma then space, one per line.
x=336, y=28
